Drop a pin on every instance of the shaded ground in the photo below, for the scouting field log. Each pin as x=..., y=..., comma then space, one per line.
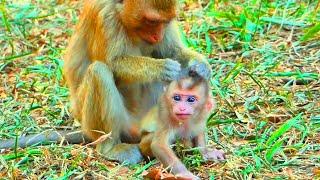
x=266, y=62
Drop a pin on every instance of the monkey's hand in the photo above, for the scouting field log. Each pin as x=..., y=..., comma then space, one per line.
x=200, y=68
x=187, y=176
x=213, y=155
x=171, y=70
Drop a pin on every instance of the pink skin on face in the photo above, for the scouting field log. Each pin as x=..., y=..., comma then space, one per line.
x=183, y=106
x=154, y=34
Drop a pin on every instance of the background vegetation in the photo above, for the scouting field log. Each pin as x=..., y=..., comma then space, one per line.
x=265, y=56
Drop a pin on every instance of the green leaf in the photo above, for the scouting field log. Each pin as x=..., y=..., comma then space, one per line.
x=274, y=149
x=283, y=129
x=296, y=74
x=280, y=20
x=209, y=44
x=233, y=73
x=311, y=32
x=31, y=152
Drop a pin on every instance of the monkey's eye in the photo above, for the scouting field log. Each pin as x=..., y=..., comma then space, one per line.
x=177, y=98
x=191, y=99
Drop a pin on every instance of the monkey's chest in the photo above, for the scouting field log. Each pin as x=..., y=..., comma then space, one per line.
x=140, y=98
x=141, y=49
x=187, y=131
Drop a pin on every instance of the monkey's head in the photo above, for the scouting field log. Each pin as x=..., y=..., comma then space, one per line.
x=147, y=20
x=188, y=97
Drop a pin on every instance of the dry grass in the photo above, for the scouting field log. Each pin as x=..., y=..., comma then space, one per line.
x=266, y=62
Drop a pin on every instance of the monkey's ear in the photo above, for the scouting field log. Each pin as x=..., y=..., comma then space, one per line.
x=211, y=104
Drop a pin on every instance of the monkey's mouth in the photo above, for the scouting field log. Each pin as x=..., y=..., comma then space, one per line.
x=183, y=116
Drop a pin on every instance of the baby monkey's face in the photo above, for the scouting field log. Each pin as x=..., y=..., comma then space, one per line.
x=184, y=104
x=185, y=100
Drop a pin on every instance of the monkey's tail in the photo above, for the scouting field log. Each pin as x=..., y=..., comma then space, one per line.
x=45, y=138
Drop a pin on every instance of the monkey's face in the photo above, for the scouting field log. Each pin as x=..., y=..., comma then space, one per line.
x=184, y=105
x=186, y=99
x=148, y=19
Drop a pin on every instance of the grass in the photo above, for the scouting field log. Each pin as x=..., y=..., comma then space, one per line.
x=265, y=56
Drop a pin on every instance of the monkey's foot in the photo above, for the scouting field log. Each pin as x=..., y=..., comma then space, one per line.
x=125, y=153
x=213, y=155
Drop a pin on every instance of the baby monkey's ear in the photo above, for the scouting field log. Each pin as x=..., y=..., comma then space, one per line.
x=211, y=103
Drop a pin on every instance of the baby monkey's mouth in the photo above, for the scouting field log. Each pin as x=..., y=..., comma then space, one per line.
x=183, y=116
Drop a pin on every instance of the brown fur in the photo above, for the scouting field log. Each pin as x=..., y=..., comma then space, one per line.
x=164, y=4
x=113, y=75
x=161, y=129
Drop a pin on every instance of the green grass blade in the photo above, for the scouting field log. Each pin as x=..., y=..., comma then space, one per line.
x=311, y=32
x=274, y=149
x=283, y=129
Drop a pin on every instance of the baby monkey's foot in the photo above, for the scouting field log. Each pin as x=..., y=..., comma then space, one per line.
x=213, y=155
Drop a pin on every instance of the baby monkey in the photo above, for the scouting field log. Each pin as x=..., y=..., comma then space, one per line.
x=181, y=113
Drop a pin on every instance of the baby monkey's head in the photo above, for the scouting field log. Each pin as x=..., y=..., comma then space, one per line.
x=188, y=97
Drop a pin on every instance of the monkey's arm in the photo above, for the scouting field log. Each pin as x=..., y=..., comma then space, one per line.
x=149, y=121
x=200, y=141
x=148, y=126
x=208, y=153
x=145, y=144
x=133, y=69
x=47, y=137
x=160, y=147
x=173, y=47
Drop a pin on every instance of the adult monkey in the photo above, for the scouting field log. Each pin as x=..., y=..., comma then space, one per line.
x=116, y=62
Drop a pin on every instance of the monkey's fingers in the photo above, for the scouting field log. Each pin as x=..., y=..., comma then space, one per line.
x=221, y=156
x=200, y=68
x=171, y=70
x=214, y=155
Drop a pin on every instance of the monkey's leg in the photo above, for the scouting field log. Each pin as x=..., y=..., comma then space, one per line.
x=131, y=134
x=103, y=111
x=145, y=144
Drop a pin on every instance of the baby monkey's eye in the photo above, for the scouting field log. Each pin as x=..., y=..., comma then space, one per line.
x=191, y=99
x=177, y=98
